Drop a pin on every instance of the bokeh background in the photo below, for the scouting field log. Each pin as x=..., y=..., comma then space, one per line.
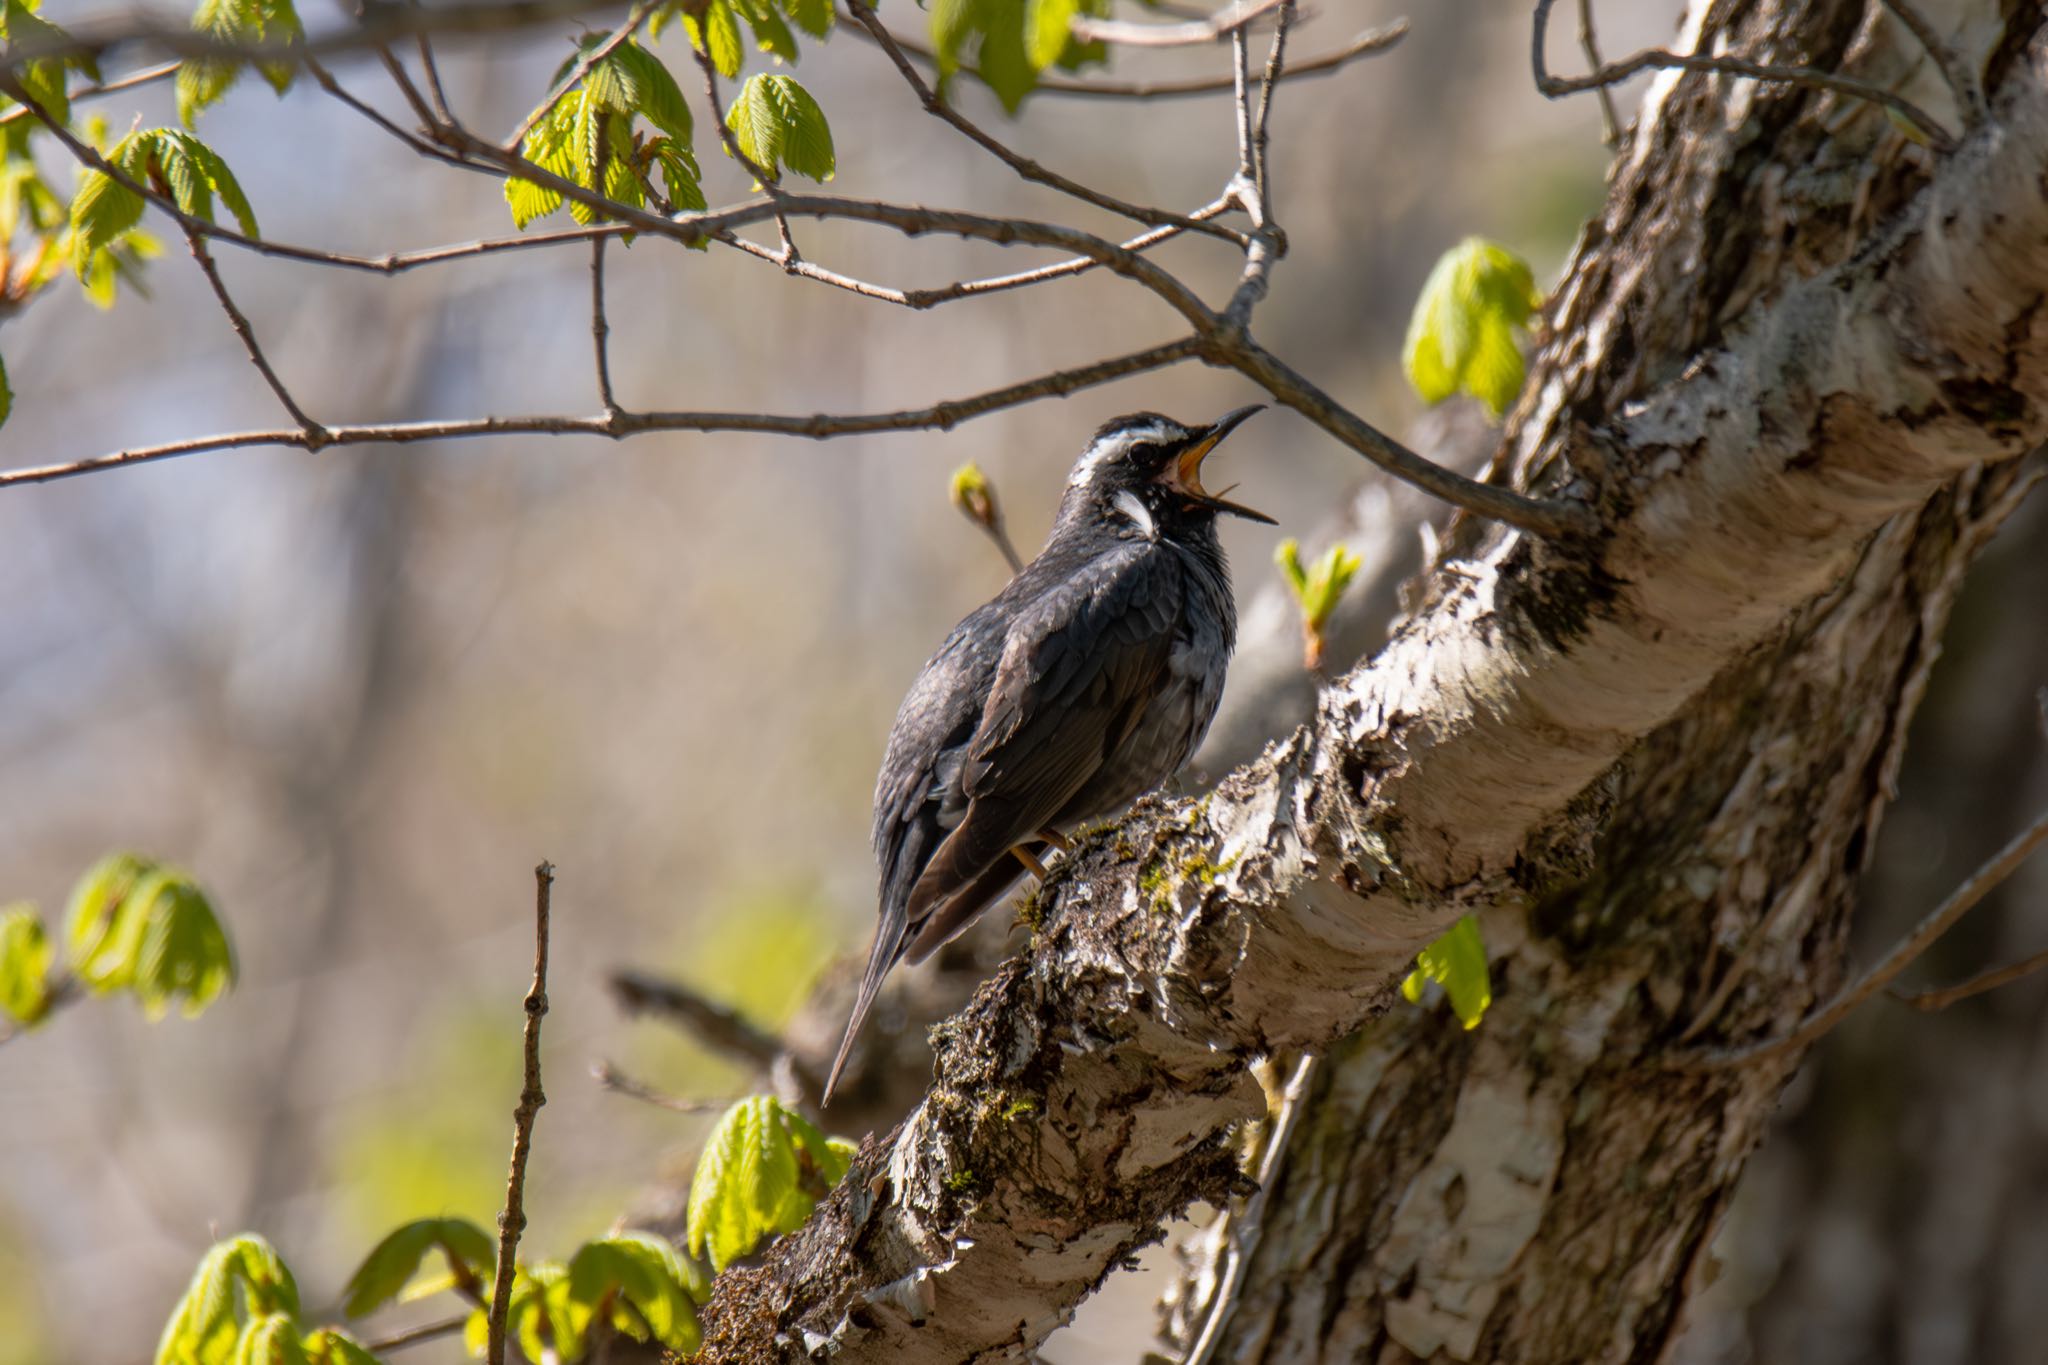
x=359, y=694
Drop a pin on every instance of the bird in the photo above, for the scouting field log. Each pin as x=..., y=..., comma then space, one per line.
x=1083, y=684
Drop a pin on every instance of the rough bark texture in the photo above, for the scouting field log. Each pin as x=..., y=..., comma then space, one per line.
x=1653, y=761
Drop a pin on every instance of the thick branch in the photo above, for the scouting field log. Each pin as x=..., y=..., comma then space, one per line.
x=1088, y=1092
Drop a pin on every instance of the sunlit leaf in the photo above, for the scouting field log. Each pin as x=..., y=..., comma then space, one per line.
x=393, y=1262
x=203, y=1329
x=777, y=124
x=1464, y=335
x=643, y=1286
x=26, y=955
x=1457, y=962
x=202, y=81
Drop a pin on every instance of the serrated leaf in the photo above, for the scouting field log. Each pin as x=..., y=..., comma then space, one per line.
x=771, y=32
x=271, y=1340
x=993, y=34
x=778, y=125
x=203, y=81
x=102, y=932
x=1464, y=335
x=642, y=1272
x=717, y=35
x=221, y=180
x=1457, y=962
x=183, y=951
x=203, y=1329
x=395, y=1261
x=814, y=17
x=332, y=1346
x=26, y=955
x=745, y=1182
x=101, y=212
x=655, y=95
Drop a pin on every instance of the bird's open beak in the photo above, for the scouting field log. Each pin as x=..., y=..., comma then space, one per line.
x=1186, y=474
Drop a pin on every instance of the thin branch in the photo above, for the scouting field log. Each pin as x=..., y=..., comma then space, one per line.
x=1931, y=1001
x=512, y=1221
x=719, y=1027
x=402, y=78
x=1553, y=520
x=731, y=144
x=315, y=434
x=1908, y=950
x=149, y=75
x=1128, y=34
x=1276, y=67
x=326, y=81
x=1589, y=43
x=938, y=416
x=600, y=330
x=1657, y=58
x=578, y=72
x=414, y=1336
x=975, y=497
x=1955, y=69
x=864, y=15
x=619, y=1083
x=379, y=25
x=1367, y=43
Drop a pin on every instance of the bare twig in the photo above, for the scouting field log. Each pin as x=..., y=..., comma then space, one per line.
x=1589, y=43
x=1908, y=950
x=1367, y=43
x=619, y=1083
x=1657, y=58
x=512, y=1221
x=1276, y=68
x=414, y=1336
x=1247, y=1222
x=402, y=78
x=864, y=15
x=315, y=434
x=600, y=330
x=1956, y=70
x=1128, y=34
x=1930, y=1001
x=940, y=416
x=149, y=75
x=719, y=1027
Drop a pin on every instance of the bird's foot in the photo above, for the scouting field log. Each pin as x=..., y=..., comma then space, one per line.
x=1024, y=855
x=1057, y=840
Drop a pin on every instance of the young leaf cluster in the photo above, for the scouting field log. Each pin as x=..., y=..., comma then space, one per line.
x=1317, y=589
x=134, y=926
x=588, y=135
x=45, y=78
x=1465, y=333
x=777, y=124
x=714, y=28
x=202, y=81
x=1457, y=962
x=105, y=212
x=1012, y=42
x=628, y=1284
x=242, y=1308
x=762, y=1171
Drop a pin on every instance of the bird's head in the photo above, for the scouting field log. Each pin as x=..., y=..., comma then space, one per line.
x=1147, y=470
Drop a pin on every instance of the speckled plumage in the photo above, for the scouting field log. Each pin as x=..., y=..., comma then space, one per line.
x=1086, y=682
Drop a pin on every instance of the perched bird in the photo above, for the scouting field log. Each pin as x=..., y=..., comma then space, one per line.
x=1083, y=684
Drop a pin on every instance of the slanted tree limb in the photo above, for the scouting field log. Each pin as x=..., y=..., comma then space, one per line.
x=1088, y=1091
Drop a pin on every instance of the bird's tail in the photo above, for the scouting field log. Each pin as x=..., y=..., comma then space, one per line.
x=887, y=948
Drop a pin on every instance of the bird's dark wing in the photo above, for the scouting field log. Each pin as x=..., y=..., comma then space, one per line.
x=1079, y=666
x=917, y=794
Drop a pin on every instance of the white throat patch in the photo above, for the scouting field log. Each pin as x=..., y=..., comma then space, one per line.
x=1134, y=508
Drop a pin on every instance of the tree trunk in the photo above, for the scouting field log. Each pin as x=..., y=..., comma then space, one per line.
x=1790, y=374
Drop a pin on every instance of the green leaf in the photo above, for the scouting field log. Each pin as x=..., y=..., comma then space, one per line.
x=777, y=124
x=1046, y=30
x=761, y=1172
x=100, y=213
x=393, y=1262
x=44, y=79
x=209, y=166
x=653, y=93
x=814, y=17
x=202, y=81
x=203, y=1329
x=332, y=1346
x=271, y=1340
x=645, y=1274
x=26, y=955
x=1457, y=962
x=103, y=935
x=1009, y=41
x=1464, y=335
x=717, y=35
x=771, y=32
x=183, y=950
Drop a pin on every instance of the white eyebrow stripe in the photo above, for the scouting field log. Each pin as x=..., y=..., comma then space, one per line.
x=1132, y=506
x=1111, y=446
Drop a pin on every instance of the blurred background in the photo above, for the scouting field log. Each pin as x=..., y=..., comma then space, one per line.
x=359, y=694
